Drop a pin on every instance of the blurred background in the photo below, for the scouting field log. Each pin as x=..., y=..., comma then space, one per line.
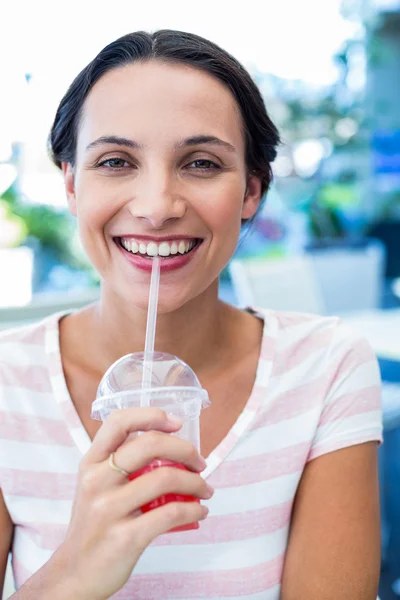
x=328, y=238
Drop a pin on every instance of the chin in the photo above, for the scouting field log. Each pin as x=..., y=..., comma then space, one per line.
x=167, y=303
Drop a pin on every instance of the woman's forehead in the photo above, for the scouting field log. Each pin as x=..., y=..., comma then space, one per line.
x=143, y=98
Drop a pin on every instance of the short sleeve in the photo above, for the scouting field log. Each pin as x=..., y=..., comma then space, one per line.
x=352, y=410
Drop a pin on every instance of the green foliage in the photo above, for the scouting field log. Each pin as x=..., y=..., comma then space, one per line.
x=13, y=229
x=51, y=227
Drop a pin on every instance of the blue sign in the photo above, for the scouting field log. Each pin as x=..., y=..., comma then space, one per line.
x=386, y=152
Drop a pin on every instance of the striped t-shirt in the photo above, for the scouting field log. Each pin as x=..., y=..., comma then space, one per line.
x=317, y=389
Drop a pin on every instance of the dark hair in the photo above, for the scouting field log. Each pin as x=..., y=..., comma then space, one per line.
x=166, y=45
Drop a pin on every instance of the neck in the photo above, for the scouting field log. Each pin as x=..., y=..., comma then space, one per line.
x=193, y=332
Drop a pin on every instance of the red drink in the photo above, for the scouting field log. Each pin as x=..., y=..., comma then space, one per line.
x=155, y=464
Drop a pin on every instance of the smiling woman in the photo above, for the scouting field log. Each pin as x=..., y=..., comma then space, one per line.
x=166, y=149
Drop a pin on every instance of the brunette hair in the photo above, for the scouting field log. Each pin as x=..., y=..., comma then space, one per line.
x=261, y=135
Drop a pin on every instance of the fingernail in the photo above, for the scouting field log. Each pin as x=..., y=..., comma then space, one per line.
x=177, y=421
x=210, y=490
x=202, y=462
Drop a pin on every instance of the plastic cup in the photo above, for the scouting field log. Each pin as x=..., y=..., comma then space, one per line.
x=174, y=388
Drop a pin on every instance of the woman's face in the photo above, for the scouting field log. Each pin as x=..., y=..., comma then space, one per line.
x=160, y=168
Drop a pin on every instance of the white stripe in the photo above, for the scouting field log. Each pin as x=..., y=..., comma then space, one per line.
x=347, y=341
x=254, y=496
x=294, y=334
x=38, y=510
x=16, y=400
x=28, y=553
x=58, y=381
x=364, y=375
x=349, y=428
x=16, y=330
x=243, y=421
x=277, y=436
x=81, y=439
x=310, y=369
x=21, y=354
x=347, y=337
x=39, y=457
x=264, y=372
x=215, y=557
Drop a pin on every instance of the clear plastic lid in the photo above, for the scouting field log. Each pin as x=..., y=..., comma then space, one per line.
x=166, y=370
x=172, y=381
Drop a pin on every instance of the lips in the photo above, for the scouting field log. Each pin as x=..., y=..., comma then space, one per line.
x=143, y=261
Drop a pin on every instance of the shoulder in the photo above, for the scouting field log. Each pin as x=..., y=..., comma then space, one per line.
x=315, y=334
x=33, y=333
x=25, y=348
x=30, y=335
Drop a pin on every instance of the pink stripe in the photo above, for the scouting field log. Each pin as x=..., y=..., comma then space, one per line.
x=33, y=378
x=48, y=536
x=332, y=445
x=357, y=355
x=355, y=403
x=70, y=414
x=292, y=403
x=53, y=486
x=25, y=335
x=257, y=398
x=205, y=584
x=214, y=530
x=21, y=573
x=29, y=428
x=303, y=398
x=258, y=468
x=226, y=445
x=300, y=350
x=233, y=528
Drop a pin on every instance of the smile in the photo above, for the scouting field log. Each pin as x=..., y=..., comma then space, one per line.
x=164, y=248
x=175, y=253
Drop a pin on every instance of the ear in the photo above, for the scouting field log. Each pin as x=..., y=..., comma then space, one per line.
x=252, y=197
x=69, y=182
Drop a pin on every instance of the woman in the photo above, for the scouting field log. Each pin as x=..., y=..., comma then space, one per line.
x=166, y=147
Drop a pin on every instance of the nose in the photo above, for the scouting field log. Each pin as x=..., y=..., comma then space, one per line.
x=157, y=200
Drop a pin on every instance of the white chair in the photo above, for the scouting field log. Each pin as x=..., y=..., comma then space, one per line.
x=280, y=284
x=45, y=304
x=350, y=279
x=327, y=281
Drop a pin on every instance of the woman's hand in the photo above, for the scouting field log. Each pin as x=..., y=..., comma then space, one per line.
x=108, y=532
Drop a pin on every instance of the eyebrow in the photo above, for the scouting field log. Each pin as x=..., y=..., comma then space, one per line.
x=115, y=140
x=195, y=140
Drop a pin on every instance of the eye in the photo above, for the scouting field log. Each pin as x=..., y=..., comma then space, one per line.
x=203, y=165
x=115, y=164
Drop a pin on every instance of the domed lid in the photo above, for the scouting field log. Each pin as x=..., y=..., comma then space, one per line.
x=166, y=371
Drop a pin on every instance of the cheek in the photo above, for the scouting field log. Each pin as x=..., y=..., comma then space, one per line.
x=95, y=208
x=94, y=213
x=223, y=213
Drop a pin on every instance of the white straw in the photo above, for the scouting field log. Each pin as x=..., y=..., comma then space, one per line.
x=150, y=329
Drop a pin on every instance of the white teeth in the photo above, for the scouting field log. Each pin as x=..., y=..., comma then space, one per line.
x=164, y=249
x=152, y=249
